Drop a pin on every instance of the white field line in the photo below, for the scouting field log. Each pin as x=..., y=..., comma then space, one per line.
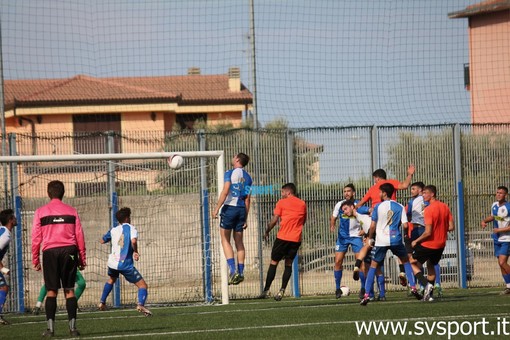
x=307, y=324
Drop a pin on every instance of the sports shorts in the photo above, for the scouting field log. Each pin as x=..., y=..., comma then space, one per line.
x=501, y=248
x=59, y=267
x=233, y=218
x=284, y=250
x=342, y=244
x=379, y=253
x=132, y=275
x=423, y=254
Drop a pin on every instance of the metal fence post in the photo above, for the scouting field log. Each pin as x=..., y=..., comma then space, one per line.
x=374, y=147
x=18, y=289
x=290, y=178
x=461, y=242
x=113, y=204
x=204, y=219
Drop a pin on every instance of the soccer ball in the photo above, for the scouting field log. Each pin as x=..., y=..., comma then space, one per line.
x=345, y=291
x=175, y=162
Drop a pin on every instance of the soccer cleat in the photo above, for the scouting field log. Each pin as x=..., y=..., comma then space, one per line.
x=143, y=310
x=74, y=332
x=505, y=292
x=231, y=278
x=364, y=301
x=428, y=292
x=355, y=274
x=48, y=334
x=3, y=321
x=238, y=278
x=438, y=290
x=36, y=310
x=279, y=295
x=338, y=293
x=381, y=298
x=101, y=306
x=416, y=294
x=403, y=279
x=264, y=295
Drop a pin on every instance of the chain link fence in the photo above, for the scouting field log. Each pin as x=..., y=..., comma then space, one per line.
x=167, y=204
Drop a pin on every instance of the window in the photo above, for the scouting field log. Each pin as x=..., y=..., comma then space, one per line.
x=89, y=131
x=187, y=121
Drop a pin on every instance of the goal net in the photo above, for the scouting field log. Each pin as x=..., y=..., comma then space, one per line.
x=181, y=257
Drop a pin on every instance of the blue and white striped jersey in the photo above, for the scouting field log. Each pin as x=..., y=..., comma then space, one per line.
x=501, y=220
x=5, y=238
x=121, y=257
x=240, y=186
x=389, y=216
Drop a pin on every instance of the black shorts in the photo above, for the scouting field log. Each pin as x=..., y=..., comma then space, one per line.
x=284, y=250
x=423, y=254
x=59, y=267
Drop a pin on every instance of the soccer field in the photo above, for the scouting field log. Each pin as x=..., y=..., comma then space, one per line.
x=460, y=311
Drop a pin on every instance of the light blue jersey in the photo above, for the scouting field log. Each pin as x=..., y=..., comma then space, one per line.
x=121, y=257
x=389, y=216
x=240, y=187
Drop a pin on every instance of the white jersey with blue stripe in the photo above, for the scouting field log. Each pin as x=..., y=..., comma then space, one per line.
x=240, y=187
x=121, y=257
x=5, y=238
x=348, y=226
x=389, y=216
x=501, y=219
x=415, y=210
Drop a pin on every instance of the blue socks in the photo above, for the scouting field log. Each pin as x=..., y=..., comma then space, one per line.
x=142, y=296
x=507, y=279
x=106, y=291
x=362, y=278
x=381, y=285
x=437, y=268
x=338, y=278
x=3, y=297
x=231, y=266
x=369, y=283
x=409, y=274
x=240, y=268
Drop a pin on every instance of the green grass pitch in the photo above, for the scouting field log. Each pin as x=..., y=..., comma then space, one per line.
x=306, y=318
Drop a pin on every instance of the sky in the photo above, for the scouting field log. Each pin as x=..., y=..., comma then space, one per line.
x=318, y=63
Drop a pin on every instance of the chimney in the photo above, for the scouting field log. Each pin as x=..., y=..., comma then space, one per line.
x=234, y=79
x=193, y=70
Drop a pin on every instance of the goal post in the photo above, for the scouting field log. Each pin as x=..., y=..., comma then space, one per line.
x=110, y=157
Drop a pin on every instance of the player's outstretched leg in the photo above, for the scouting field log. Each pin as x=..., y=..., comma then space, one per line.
x=108, y=286
x=287, y=272
x=437, y=286
x=142, y=297
x=271, y=273
x=40, y=299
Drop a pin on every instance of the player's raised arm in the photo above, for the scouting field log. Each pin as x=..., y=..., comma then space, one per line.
x=410, y=172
